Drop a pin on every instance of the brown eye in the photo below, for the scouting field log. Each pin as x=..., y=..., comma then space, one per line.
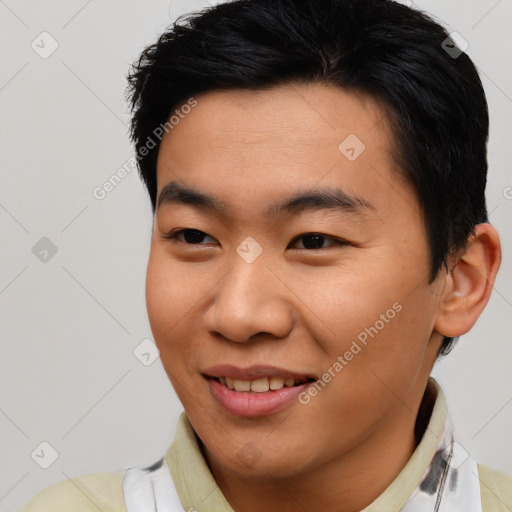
x=188, y=236
x=316, y=241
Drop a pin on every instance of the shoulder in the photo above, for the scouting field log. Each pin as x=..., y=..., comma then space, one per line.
x=496, y=489
x=87, y=493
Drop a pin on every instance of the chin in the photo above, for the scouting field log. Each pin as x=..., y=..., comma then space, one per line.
x=251, y=461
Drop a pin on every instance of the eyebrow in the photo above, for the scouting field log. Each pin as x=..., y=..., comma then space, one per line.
x=317, y=199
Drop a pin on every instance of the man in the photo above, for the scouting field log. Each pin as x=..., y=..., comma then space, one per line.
x=317, y=173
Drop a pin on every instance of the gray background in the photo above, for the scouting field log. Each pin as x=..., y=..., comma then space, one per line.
x=70, y=324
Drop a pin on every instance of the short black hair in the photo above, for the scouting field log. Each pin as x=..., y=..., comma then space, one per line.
x=431, y=92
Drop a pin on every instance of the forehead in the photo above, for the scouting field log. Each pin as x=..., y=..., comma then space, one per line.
x=262, y=143
x=291, y=114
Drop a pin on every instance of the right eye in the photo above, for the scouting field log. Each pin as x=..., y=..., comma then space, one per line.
x=190, y=236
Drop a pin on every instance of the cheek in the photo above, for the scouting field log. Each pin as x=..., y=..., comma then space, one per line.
x=158, y=293
x=173, y=300
x=374, y=322
x=170, y=288
x=343, y=300
x=167, y=296
x=381, y=357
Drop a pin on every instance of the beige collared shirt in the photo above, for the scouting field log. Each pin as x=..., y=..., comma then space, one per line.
x=198, y=490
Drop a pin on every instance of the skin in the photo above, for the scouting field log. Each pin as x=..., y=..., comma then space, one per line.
x=300, y=308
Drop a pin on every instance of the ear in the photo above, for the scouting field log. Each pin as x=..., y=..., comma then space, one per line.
x=469, y=282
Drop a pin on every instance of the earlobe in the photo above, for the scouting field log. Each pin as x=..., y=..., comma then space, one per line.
x=469, y=282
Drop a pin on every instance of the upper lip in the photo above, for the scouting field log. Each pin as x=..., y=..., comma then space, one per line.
x=254, y=372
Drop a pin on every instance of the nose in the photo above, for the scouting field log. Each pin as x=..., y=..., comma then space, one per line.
x=251, y=300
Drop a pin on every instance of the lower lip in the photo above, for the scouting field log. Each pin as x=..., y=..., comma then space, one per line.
x=251, y=404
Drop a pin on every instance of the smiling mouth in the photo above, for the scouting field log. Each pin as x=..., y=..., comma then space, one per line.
x=261, y=385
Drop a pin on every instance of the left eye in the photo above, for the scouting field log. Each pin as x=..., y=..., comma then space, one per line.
x=315, y=241
x=310, y=240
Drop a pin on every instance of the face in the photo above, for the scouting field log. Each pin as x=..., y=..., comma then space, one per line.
x=287, y=250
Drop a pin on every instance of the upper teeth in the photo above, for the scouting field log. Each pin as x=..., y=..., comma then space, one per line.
x=258, y=385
